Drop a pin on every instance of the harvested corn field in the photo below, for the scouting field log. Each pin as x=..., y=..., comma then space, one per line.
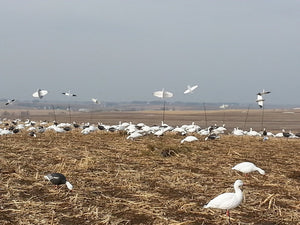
x=150, y=180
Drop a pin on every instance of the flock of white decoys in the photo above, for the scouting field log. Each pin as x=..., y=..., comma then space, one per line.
x=134, y=131
x=226, y=201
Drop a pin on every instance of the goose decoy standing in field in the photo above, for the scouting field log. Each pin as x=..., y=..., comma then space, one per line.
x=228, y=200
x=58, y=179
x=189, y=139
x=32, y=134
x=40, y=93
x=265, y=135
x=212, y=136
x=286, y=134
x=134, y=135
x=75, y=125
x=248, y=167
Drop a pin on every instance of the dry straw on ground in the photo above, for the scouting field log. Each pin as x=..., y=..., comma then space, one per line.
x=117, y=181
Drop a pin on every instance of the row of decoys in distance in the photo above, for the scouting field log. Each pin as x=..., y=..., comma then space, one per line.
x=137, y=130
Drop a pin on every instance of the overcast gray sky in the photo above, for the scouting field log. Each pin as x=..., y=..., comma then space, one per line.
x=117, y=50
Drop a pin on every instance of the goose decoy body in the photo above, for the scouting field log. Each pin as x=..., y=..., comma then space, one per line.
x=212, y=136
x=67, y=128
x=264, y=133
x=189, y=139
x=69, y=94
x=10, y=101
x=163, y=94
x=40, y=93
x=32, y=134
x=58, y=179
x=190, y=89
x=95, y=100
x=260, y=101
x=75, y=125
x=248, y=167
x=286, y=134
x=228, y=200
x=16, y=130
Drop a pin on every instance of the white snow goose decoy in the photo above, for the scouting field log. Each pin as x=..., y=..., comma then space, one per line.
x=189, y=139
x=228, y=200
x=135, y=135
x=248, y=167
x=58, y=179
x=224, y=106
x=190, y=89
x=95, y=100
x=163, y=94
x=260, y=100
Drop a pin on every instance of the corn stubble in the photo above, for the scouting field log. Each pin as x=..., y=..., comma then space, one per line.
x=152, y=180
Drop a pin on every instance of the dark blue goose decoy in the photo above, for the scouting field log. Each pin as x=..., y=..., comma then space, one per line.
x=58, y=179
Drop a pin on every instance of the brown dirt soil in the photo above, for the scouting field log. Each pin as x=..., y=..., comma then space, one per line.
x=117, y=181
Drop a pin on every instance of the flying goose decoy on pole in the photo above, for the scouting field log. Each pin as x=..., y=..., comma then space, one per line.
x=260, y=101
x=163, y=94
x=95, y=100
x=69, y=94
x=10, y=101
x=190, y=89
x=40, y=93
